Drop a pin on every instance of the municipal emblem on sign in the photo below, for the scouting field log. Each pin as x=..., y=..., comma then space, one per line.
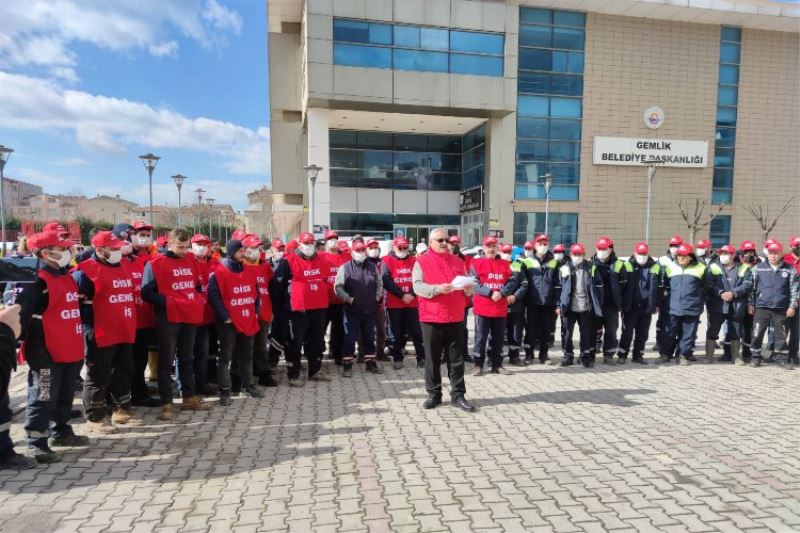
x=653, y=117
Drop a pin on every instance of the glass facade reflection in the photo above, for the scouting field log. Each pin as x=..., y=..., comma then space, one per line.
x=727, y=101
x=563, y=227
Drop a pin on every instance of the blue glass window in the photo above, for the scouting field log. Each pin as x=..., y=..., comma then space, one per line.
x=729, y=74
x=725, y=137
x=419, y=60
x=361, y=32
x=729, y=53
x=536, y=16
x=434, y=39
x=569, y=18
x=721, y=196
x=537, y=106
x=565, y=107
x=720, y=231
x=723, y=178
x=536, y=36
x=407, y=36
x=478, y=43
x=562, y=227
x=476, y=65
x=731, y=34
x=532, y=128
x=569, y=38
x=728, y=95
x=535, y=59
x=726, y=116
x=723, y=157
x=566, y=130
x=362, y=56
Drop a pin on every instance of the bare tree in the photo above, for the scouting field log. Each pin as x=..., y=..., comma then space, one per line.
x=76, y=191
x=761, y=214
x=694, y=220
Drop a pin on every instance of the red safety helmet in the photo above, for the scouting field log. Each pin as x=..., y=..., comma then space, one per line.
x=373, y=244
x=199, y=238
x=306, y=238
x=676, y=240
x=141, y=225
x=603, y=243
x=330, y=234
x=726, y=249
x=641, y=248
x=559, y=249
x=45, y=239
x=577, y=249
x=747, y=246
x=528, y=245
x=506, y=249
x=277, y=243
x=775, y=246
x=106, y=239
x=455, y=239
x=704, y=243
x=489, y=241
x=794, y=242
x=541, y=237
x=685, y=249
x=400, y=242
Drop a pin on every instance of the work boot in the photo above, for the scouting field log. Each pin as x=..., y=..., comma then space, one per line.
x=16, y=461
x=638, y=359
x=152, y=366
x=122, y=416
x=103, y=426
x=195, y=403
x=663, y=359
x=622, y=359
x=319, y=376
x=609, y=360
x=43, y=454
x=70, y=440
x=755, y=362
x=374, y=367
x=347, y=370
x=567, y=360
x=501, y=370
x=477, y=371
x=295, y=382
x=420, y=363
x=225, y=398
x=711, y=346
x=208, y=389
x=432, y=401
x=166, y=412
x=586, y=362
x=267, y=380
x=528, y=361
x=514, y=361
x=253, y=392
x=397, y=365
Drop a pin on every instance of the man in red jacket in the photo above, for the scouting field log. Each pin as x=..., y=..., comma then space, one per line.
x=108, y=313
x=401, y=302
x=263, y=273
x=493, y=294
x=335, y=316
x=793, y=258
x=441, y=314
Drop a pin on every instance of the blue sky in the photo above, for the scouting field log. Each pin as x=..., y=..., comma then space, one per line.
x=87, y=86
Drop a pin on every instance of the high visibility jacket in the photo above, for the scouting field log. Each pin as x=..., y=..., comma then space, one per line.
x=309, y=282
x=686, y=288
x=144, y=310
x=238, y=292
x=594, y=289
x=616, y=274
x=542, y=275
x=644, y=291
x=177, y=279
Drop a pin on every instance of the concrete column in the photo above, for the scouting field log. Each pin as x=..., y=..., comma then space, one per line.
x=501, y=144
x=319, y=154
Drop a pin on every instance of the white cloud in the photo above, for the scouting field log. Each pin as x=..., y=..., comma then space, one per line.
x=221, y=17
x=114, y=125
x=72, y=162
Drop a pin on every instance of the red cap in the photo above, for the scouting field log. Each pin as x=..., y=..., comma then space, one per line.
x=684, y=249
x=330, y=234
x=199, y=238
x=55, y=227
x=704, y=243
x=342, y=246
x=251, y=240
x=559, y=249
x=106, y=239
x=277, y=243
x=373, y=244
x=162, y=241
x=506, y=248
x=603, y=243
x=359, y=246
x=768, y=242
x=238, y=235
x=677, y=240
x=306, y=238
x=727, y=249
x=775, y=246
x=541, y=237
x=44, y=239
x=610, y=241
x=641, y=248
x=141, y=225
x=400, y=242
x=455, y=239
x=528, y=245
x=794, y=242
x=577, y=249
x=747, y=246
x=489, y=241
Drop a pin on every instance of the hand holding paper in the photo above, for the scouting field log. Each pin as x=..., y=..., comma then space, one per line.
x=463, y=282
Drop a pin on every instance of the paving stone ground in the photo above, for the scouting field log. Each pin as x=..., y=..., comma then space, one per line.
x=622, y=448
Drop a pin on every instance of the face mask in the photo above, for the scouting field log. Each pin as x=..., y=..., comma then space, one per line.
x=765, y=252
x=576, y=259
x=641, y=259
x=529, y=253
x=143, y=241
x=114, y=257
x=277, y=256
x=602, y=255
x=701, y=252
x=63, y=259
x=330, y=244
x=374, y=252
x=199, y=250
x=307, y=249
x=421, y=247
x=541, y=249
x=401, y=254
x=252, y=254
x=673, y=250
x=558, y=257
x=127, y=248
x=725, y=259
x=506, y=257
x=750, y=258
x=359, y=257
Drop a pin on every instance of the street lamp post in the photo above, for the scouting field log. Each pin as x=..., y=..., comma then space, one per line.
x=5, y=154
x=179, y=183
x=198, y=219
x=220, y=226
x=210, y=217
x=651, y=174
x=313, y=172
x=547, y=181
x=150, y=161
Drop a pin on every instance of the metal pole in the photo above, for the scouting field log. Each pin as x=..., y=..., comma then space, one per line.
x=546, y=211
x=150, y=180
x=3, y=205
x=311, y=207
x=179, y=207
x=651, y=174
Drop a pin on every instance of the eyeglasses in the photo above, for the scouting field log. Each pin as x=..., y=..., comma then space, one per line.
x=402, y=248
x=443, y=239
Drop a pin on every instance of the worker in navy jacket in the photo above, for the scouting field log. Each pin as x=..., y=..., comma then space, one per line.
x=642, y=300
x=615, y=274
x=541, y=271
x=580, y=302
x=738, y=281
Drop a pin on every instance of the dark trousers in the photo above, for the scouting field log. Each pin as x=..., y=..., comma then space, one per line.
x=358, y=327
x=50, y=393
x=486, y=327
x=174, y=336
x=715, y=321
x=108, y=375
x=200, y=359
x=780, y=329
x=335, y=319
x=279, y=337
x=662, y=327
x=539, y=327
x=145, y=338
x=448, y=337
x=234, y=346
x=585, y=322
x=747, y=335
x=6, y=444
x=794, y=332
x=307, y=334
x=515, y=325
x=635, y=328
x=380, y=329
x=606, y=330
x=260, y=353
x=404, y=323
x=682, y=333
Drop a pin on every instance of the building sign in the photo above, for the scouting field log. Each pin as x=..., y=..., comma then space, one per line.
x=472, y=200
x=666, y=152
x=653, y=117
x=496, y=233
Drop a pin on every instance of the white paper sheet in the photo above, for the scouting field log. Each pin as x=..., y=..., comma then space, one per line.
x=463, y=282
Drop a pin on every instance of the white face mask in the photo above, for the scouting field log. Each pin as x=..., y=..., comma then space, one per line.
x=558, y=257
x=307, y=249
x=725, y=259
x=765, y=252
x=701, y=252
x=421, y=247
x=252, y=254
x=641, y=259
x=401, y=254
x=277, y=256
x=63, y=259
x=541, y=249
x=143, y=241
x=115, y=257
x=127, y=248
x=358, y=257
x=330, y=244
x=373, y=252
x=602, y=255
x=576, y=259
x=673, y=250
x=507, y=257
x=528, y=253
x=199, y=250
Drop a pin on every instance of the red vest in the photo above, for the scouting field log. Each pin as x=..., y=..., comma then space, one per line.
x=144, y=310
x=204, y=269
x=113, y=303
x=309, y=282
x=176, y=279
x=493, y=273
x=400, y=270
x=61, y=321
x=437, y=269
x=239, y=292
x=263, y=273
x=334, y=262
